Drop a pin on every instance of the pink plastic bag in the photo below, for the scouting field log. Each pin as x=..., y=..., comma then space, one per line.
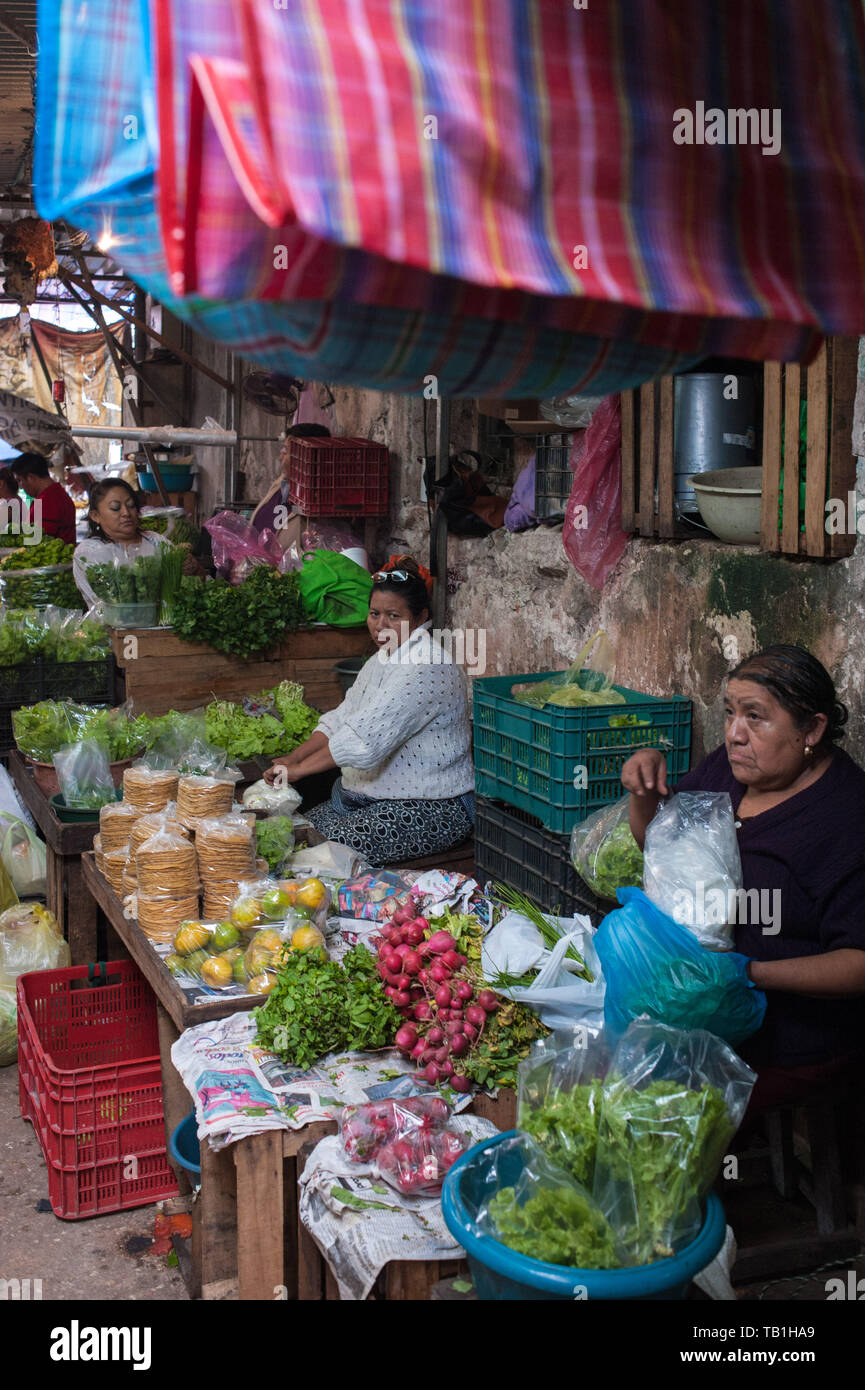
x=238, y=547
x=592, y=534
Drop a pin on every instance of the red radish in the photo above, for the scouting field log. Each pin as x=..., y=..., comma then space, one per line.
x=403, y=950
x=395, y=936
x=423, y=976
x=393, y=963
x=460, y=1083
x=422, y=922
x=393, y=980
x=459, y=1045
x=414, y=934
x=463, y=989
x=451, y=960
x=406, y=1038
x=443, y=996
x=470, y=1032
x=476, y=1016
x=389, y=991
x=427, y=1055
x=439, y=973
x=447, y=1068
x=418, y=1050
x=423, y=1009
x=403, y=916
x=401, y=999
x=435, y=1036
x=456, y=1015
x=488, y=1000
x=441, y=1055
x=439, y=942
x=443, y=1015
x=411, y=963
x=403, y=982
x=431, y=1072
x=463, y=960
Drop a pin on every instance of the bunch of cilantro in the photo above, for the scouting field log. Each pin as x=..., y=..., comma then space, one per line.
x=320, y=1005
x=239, y=619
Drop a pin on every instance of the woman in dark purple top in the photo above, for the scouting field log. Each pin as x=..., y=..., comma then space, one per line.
x=799, y=802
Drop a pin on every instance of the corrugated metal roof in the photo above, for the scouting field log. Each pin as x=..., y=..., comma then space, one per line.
x=17, y=75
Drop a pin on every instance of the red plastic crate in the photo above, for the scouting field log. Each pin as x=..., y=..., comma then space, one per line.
x=89, y=1081
x=338, y=477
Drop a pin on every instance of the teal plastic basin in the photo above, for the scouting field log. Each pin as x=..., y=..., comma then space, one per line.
x=503, y=1274
x=183, y=1145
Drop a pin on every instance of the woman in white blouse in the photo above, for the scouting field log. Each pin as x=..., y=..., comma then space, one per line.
x=115, y=535
x=401, y=738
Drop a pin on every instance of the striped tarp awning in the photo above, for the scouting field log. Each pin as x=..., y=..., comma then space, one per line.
x=517, y=197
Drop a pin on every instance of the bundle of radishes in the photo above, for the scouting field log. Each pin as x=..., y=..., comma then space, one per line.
x=407, y=1140
x=426, y=980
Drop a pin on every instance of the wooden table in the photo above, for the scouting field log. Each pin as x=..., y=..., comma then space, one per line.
x=163, y=672
x=67, y=895
x=247, y=1240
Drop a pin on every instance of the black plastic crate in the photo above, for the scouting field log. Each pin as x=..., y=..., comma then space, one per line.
x=513, y=848
x=88, y=682
x=553, y=478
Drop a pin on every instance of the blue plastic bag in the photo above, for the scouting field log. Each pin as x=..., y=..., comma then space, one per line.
x=653, y=966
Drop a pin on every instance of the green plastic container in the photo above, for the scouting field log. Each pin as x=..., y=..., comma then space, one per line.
x=529, y=757
x=75, y=817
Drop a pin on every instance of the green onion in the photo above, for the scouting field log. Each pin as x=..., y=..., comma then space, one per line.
x=550, y=935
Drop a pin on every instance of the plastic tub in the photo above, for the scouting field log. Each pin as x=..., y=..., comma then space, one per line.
x=347, y=671
x=71, y=814
x=183, y=1144
x=130, y=614
x=176, y=477
x=503, y=1274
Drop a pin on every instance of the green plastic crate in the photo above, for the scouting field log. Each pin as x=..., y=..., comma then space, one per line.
x=529, y=757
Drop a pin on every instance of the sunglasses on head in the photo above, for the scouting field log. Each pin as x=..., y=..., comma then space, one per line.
x=401, y=576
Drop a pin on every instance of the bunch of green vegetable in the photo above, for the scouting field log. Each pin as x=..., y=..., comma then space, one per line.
x=658, y=1151
x=617, y=862
x=138, y=582
x=41, y=730
x=54, y=635
x=274, y=838
x=171, y=574
x=319, y=1006
x=565, y=1125
x=264, y=734
x=550, y=935
x=239, y=619
x=159, y=524
x=49, y=551
x=558, y=1225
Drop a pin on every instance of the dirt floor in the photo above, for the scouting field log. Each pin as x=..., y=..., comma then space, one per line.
x=105, y=1257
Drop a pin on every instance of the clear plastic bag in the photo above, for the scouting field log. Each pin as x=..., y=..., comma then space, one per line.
x=653, y=966
x=671, y=1102
x=558, y=1102
x=84, y=773
x=589, y=681
x=274, y=839
x=167, y=865
x=605, y=853
x=24, y=858
x=534, y=1207
x=8, y=1027
x=571, y=412
x=692, y=869
x=30, y=939
x=366, y=1129
x=559, y=993
x=183, y=746
x=282, y=801
x=417, y=1163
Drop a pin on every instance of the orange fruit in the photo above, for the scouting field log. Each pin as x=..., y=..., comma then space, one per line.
x=267, y=940
x=306, y=939
x=191, y=936
x=260, y=984
x=216, y=971
x=245, y=912
x=311, y=893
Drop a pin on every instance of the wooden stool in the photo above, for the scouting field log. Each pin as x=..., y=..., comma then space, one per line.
x=460, y=859
x=819, y=1177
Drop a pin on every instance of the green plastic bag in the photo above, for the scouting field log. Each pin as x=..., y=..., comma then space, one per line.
x=334, y=589
x=582, y=684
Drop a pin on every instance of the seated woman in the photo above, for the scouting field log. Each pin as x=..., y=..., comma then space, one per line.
x=799, y=804
x=401, y=738
x=115, y=534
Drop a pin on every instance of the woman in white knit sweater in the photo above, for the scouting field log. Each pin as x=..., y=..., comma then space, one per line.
x=401, y=738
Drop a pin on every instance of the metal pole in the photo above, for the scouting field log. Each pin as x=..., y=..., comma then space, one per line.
x=159, y=434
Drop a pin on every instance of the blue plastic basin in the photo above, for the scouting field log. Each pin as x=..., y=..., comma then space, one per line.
x=183, y=1144
x=177, y=478
x=500, y=1273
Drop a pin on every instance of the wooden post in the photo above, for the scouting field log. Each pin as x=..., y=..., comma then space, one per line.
x=769, y=538
x=647, y=459
x=443, y=423
x=666, y=458
x=629, y=453
x=260, y=1244
x=817, y=456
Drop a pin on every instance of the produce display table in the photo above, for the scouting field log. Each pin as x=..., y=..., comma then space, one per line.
x=247, y=1239
x=162, y=672
x=67, y=896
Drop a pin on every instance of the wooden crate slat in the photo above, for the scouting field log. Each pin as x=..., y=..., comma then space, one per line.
x=817, y=455
x=792, y=400
x=772, y=404
x=666, y=461
x=843, y=363
x=628, y=459
x=647, y=459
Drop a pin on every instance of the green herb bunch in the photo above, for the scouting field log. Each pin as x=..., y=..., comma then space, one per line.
x=319, y=1006
x=274, y=839
x=238, y=619
x=138, y=582
x=558, y=1224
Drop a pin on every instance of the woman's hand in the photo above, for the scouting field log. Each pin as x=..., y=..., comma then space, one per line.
x=646, y=772
x=644, y=775
x=281, y=767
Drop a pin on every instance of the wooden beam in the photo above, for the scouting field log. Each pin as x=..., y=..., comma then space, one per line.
x=628, y=459
x=843, y=360
x=666, y=459
x=125, y=313
x=111, y=344
x=647, y=459
x=769, y=539
x=817, y=454
x=792, y=400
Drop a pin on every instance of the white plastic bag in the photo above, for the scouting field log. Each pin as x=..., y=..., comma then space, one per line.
x=561, y=998
x=691, y=867
x=10, y=801
x=282, y=801
x=24, y=857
